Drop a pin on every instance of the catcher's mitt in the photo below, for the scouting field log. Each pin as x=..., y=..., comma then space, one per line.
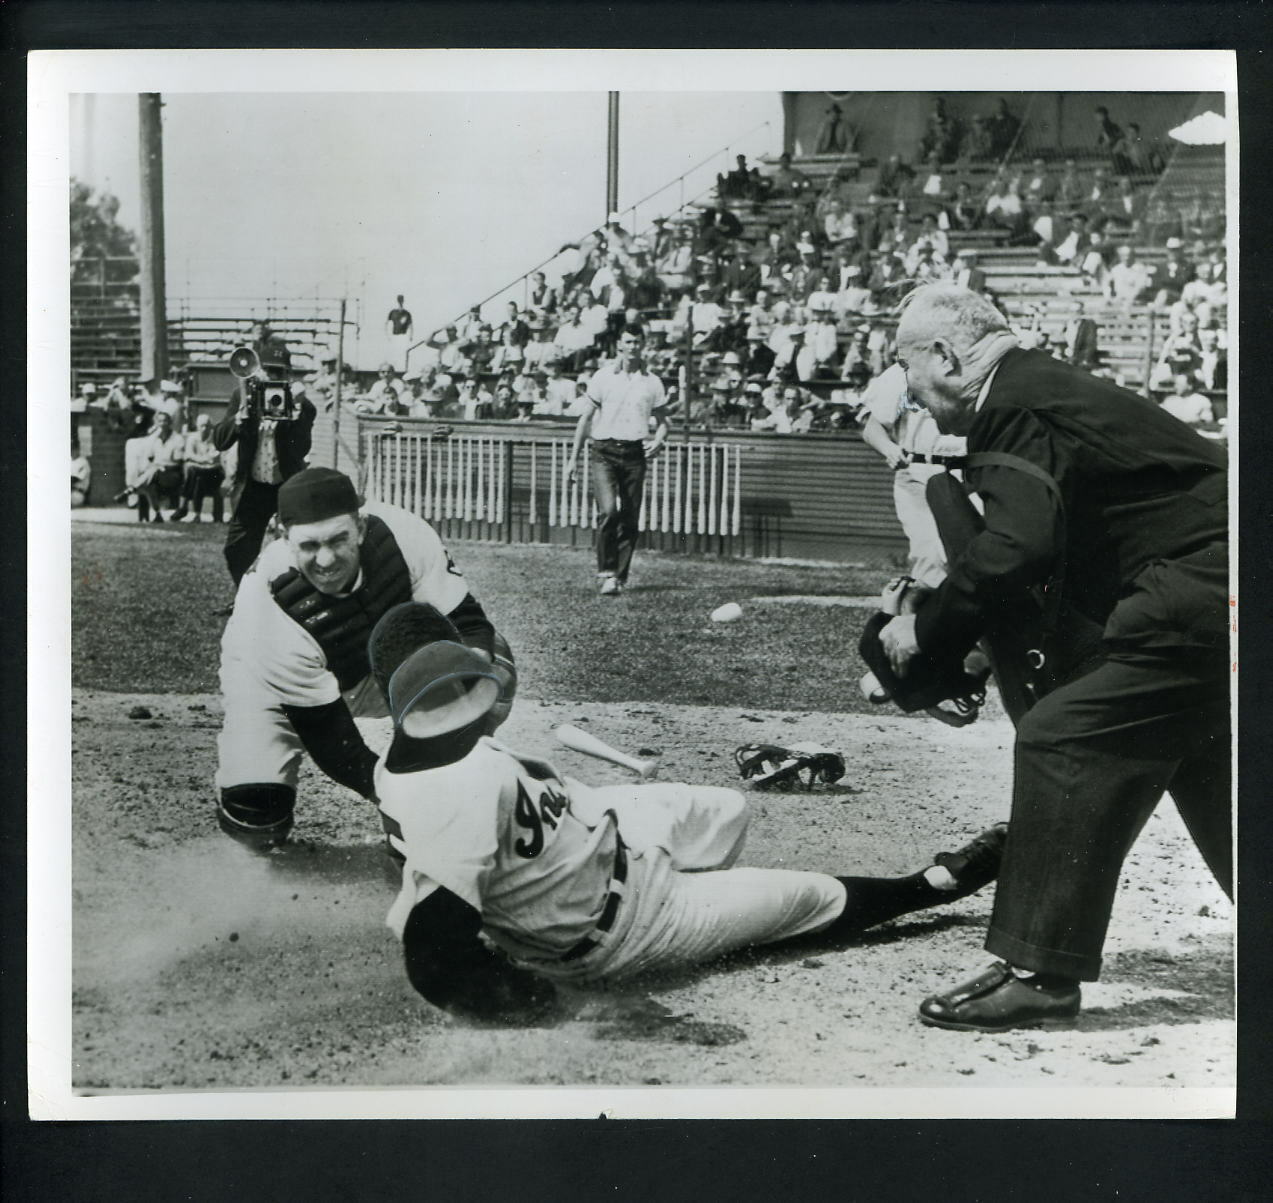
x=803, y=765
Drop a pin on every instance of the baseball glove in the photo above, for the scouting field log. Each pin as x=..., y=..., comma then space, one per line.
x=803, y=765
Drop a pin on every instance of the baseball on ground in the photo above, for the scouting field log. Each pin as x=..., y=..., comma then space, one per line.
x=729, y=612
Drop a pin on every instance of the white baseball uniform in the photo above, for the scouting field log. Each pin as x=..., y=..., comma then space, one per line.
x=915, y=431
x=581, y=883
x=269, y=660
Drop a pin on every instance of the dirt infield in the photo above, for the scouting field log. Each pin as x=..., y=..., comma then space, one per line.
x=197, y=965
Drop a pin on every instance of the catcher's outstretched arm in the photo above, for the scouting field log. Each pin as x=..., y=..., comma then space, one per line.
x=454, y=970
x=329, y=735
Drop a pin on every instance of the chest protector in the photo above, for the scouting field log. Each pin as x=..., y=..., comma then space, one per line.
x=342, y=625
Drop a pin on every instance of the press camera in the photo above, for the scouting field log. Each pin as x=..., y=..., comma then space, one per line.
x=263, y=397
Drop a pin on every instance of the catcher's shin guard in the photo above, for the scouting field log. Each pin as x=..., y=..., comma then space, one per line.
x=257, y=816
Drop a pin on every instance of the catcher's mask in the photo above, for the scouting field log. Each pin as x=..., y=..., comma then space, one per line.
x=928, y=680
x=803, y=765
x=439, y=691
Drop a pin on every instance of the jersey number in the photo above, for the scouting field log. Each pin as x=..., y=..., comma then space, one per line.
x=533, y=815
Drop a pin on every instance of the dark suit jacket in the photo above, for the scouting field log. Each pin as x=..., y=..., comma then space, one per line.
x=291, y=440
x=1080, y=347
x=1143, y=537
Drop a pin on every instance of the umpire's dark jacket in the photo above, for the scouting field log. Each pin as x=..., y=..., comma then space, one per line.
x=291, y=440
x=1144, y=497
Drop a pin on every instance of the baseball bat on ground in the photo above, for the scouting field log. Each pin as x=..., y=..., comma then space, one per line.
x=581, y=741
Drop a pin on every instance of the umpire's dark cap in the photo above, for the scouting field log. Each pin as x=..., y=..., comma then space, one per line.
x=928, y=680
x=315, y=494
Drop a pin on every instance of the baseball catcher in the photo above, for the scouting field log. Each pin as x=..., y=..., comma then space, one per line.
x=516, y=878
x=294, y=669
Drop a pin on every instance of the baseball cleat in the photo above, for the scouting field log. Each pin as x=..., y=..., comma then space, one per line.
x=610, y=587
x=998, y=1001
x=976, y=864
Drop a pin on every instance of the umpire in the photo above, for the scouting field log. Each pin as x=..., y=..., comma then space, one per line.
x=270, y=451
x=1119, y=512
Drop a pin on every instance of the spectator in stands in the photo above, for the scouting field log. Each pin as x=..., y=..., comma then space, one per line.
x=464, y=331
x=676, y=266
x=1079, y=339
x=398, y=326
x=860, y=362
x=1004, y=209
x=558, y=389
x=540, y=350
x=1203, y=296
x=451, y=357
x=739, y=274
x=1099, y=194
x=835, y=137
x=573, y=340
x=756, y=414
x=481, y=352
x=1004, y=127
x=161, y=457
x=202, y=474
x=384, y=391
x=1044, y=228
x=475, y=402
x=1212, y=372
x=1040, y=185
x=854, y=296
x=977, y=143
x=1108, y=133
x=717, y=231
x=660, y=359
x=1128, y=279
x=823, y=298
x=645, y=289
x=794, y=362
x=1170, y=276
x=926, y=266
x=513, y=335
x=81, y=475
x=595, y=317
x=895, y=177
x=1143, y=157
x=931, y=236
x=803, y=277
x=1096, y=261
x=703, y=314
x=736, y=185
x=839, y=225
x=542, y=298
x=1071, y=249
x=1126, y=207
x=1181, y=352
x=1070, y=191
x=824, y=342
x=963, y=212
x=888, y=281
x=1186, y=403
x=787, y=180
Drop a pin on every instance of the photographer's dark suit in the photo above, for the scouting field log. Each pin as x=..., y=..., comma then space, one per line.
x=253, y=502
x=1136, y=543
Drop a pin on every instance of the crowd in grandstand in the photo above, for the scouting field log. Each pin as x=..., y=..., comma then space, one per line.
x=784, y=329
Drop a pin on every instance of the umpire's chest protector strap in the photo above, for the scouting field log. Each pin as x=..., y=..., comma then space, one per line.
x=342, y=625
x=1001, y=459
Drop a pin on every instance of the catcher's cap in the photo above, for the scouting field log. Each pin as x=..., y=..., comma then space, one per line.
x=315, y=494
x=928, y=680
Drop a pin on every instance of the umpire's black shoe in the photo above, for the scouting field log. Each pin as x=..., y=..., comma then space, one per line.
x=976, y=864
x=998, y=1000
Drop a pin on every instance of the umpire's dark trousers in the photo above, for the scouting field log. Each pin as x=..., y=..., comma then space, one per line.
x=618, y=480
x=246, y=531
x=1092, y=760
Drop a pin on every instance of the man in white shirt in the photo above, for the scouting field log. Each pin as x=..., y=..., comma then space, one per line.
x=623, y=398
x=1183, y=402
x=1127, y=279
x=203, y=474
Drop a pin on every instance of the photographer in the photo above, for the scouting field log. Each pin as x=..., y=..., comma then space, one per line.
x=270, y=449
